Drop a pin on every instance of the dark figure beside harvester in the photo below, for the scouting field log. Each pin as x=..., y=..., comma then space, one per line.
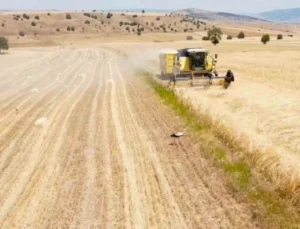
x=229, y=78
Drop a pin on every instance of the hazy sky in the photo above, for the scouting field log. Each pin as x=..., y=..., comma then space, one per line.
x=250, y=6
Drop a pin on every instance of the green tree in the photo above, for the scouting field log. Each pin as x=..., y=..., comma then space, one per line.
x=109, y=15
x=279, y=37
x=241, y=35
x=37, y=17
x=215, y=35
x=68, y=16
x=26, y=16
x=265, y=39
x=205, y=38
x=21, y=34
x=3, y=44
x=33, y=23
x=229, y=37
x=215, y=32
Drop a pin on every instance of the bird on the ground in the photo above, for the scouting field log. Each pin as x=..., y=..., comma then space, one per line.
x=178, y=135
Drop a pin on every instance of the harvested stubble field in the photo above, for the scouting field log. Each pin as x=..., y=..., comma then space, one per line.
x=81, y=147
x=84, y=143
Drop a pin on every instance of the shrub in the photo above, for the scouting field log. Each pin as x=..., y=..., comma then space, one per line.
x=87, y=14
x=265, y=39
x=139, y=33
x=214, y=40
x=189, y=38
x=87, y=22
x=134, y=16
x=157, y=18
x=3, y=25
x=21, y=34
x=133, y=23
x=26, y=16
x=68, y=16
x=94, y=10
x=73, y=28
x=35, y=34
x=290, y=35
x=48, y=14
x=3, y=44
x=121, y=23
x=37, y=17
x=69, y=28
x=33, y=23
x=241, y=35
x=143, y=11
x=279, y=37
x=58, y=30
x=229, y=37
x=205, y=38
x=109, y=15
x=185, y=30
x=128, y=29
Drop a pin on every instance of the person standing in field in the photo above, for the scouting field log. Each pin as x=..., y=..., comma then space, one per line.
x=228, y=79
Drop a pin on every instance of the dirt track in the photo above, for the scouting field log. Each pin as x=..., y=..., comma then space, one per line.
x=83, y=144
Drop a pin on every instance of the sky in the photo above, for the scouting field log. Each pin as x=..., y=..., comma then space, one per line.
x=234, y=6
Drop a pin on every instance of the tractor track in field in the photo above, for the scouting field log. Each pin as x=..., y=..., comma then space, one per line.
x=101, y=157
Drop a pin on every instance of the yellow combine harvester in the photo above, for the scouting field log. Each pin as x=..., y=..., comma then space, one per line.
x=189, y=64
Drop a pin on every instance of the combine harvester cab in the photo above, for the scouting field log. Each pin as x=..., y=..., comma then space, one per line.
x=190, y=64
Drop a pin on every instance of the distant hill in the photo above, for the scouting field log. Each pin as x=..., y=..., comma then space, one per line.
x=213, y=16
x=138, y=10
x=287, y=15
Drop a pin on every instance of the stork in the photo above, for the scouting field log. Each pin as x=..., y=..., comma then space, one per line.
x=178, y=135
